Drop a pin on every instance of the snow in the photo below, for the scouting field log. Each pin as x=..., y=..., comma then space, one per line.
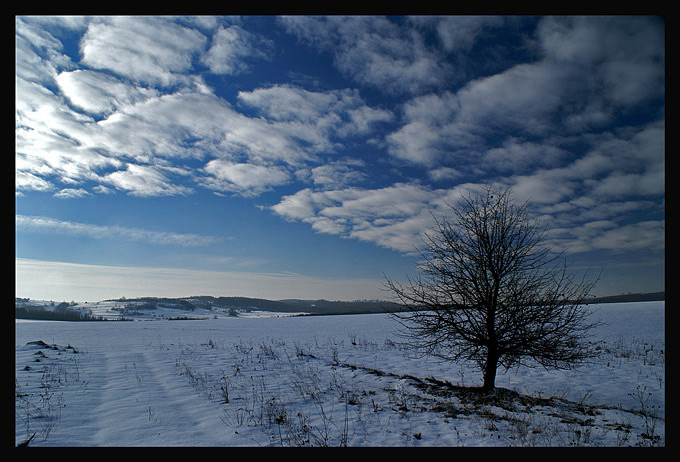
x=323, y=380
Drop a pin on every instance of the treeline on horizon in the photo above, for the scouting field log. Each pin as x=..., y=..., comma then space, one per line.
x=622, y=298
x=62, y=312
x=320, y=306
x=70, y=312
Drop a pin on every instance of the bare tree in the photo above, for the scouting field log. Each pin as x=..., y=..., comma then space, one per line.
x=490, y=292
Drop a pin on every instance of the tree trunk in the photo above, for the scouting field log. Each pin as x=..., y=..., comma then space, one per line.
x=490, y=369
x=492, y=346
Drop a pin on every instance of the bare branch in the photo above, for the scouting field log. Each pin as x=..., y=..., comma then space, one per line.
x=491, y=292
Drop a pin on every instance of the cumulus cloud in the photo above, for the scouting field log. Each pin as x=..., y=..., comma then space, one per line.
x=393, y=217
x=444, y=174
x=181, y=125
x=374, y=51
x=178, y=125
x=519, y=102
x=648, y=183
x=429, y=133
x=149, y=50
x=188, y=125
x=148, y=128
x=628, y=163
x=337, y=174
x=144, y=127
x=524, y=98
x=39, y=55
x=99, y=93
x=25, y=181
x=144, y=181
x=50, y=139
x=648, y=235
x=608, y=235
x=335, y=113
x=69, y=193
x=515, y=155
x=459, y=32
x=246, y=179
x=590, y=69
x=625, y=54
x=230, y=47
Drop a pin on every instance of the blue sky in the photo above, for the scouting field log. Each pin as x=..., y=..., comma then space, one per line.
x=300, y=157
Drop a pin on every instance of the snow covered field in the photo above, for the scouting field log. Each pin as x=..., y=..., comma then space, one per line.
x=323, y=380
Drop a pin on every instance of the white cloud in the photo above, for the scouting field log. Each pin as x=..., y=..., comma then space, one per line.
x=393, y=217
x=144, y=181
x=395, y=65
x=29, y=182
x=396, y=217
x=608, y=235
x=649, y=183
x=418, y=143
x=287, y=103
x=624, y=54
x=99, y=93
x=630, y=162
x=179, y=125
x=337, y=174
x=456, y=128
x=298, y=206
x=393, y=201
x=444, y=173
x=39, y=55
x=335, y=113
x=71, y=193
x=188, y=124
x=147, y=131
x=525, y=97
x=246, y=179
x=591, y=68
x=374, y=51
x=53, y=226
x=649, y=235
x=52, y=140
x=544, y=187
x=229, y=48
x=459, y=32
x=149, y=50
x=519, y=156
x=428, y=134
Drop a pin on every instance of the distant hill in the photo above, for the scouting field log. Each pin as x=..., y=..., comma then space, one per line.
x=29, y=309
x=339, y=307
x=623, y=298
x=282, y=306
x=363, y=306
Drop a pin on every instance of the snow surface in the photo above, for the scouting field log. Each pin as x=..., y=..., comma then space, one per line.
x=323, y=380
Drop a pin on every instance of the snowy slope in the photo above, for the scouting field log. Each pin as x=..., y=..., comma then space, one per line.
x=323, y=380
